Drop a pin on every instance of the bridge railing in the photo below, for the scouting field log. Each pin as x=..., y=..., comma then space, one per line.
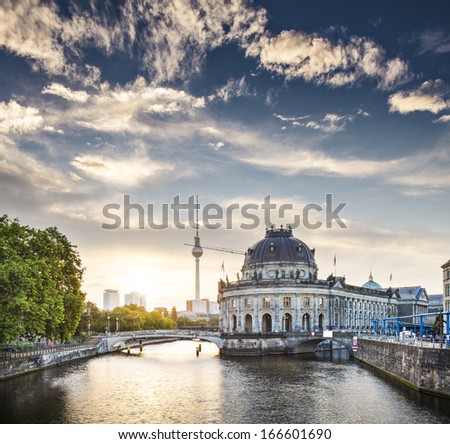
x=19, y=351
x=183, y=332
x=417, y=341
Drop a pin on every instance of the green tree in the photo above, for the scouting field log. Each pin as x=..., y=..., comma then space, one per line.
x=174, y=314
x=40, y=283
x=129, y=320
x=91, y=315
x=156, y=321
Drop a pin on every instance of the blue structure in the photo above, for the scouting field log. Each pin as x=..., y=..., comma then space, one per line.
x=397, y=324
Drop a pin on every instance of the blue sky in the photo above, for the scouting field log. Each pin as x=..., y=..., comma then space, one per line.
x=231, y=101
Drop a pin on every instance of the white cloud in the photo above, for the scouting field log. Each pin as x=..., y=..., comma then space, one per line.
x=127, y=170
x=15, y=118
x=436, y=40
x=124, y=108
x=216, y=146
x=26, y=167
x=52, y=129
x=443, y=119
x=30, y=29
x=427, y=172
x=171, y=39
x=233, y=88
x=66, y=93
x=430, y=96
x=330, y=123
x=296, y=54
x=179, y=33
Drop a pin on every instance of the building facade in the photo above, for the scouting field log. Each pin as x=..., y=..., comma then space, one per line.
x=435, y=303
x=279, y=291
x=111, y=299
x=135, y=298
x=412, y=301
x=446, y=285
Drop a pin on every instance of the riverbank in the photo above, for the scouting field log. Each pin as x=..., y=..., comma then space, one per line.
x=423, y=369
x=19, y=366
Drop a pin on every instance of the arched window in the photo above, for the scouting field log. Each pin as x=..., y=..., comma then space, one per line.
x=287, y=322
x=306, y=323
x=321, y=320
x=267, y=322
x=248, y=323
x=234, y=323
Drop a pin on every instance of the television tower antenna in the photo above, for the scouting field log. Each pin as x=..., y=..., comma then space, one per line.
x=197, y=252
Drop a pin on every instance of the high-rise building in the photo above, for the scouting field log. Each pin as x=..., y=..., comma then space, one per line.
x=135, y=298
x=111, y=299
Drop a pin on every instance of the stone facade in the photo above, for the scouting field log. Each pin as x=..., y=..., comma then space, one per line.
x=280, y=292
x=425, y=369
x=446, y=285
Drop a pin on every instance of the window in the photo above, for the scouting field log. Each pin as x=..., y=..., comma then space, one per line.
x=306, y=302
x=447, y=290
x=233, y=303
x=320, y=302
x=247, y=302
x=266, y=302
x=287, y=301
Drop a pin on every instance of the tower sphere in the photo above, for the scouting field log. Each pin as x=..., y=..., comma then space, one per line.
x=197, y=251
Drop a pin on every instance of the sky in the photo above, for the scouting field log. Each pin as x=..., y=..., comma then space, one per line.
x=111, y=106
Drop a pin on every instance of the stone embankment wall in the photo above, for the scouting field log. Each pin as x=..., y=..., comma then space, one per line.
x=20, y=366
x=424, y=369
x=15, y=367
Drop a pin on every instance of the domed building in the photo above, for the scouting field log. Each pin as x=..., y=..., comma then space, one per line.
x=372, y=284
x=278, y=293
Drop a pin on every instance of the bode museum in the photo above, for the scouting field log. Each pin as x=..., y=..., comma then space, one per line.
x=279, y=294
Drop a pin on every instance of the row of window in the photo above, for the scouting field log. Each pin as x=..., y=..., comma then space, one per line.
x=287, y=302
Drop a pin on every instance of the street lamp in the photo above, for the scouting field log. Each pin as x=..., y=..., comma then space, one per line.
x=108, y=318
x=117, y=325
x=89, y=321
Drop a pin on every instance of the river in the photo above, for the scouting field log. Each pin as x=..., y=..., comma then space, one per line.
x=167, y=384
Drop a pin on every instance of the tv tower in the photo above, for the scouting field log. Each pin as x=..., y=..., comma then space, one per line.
x=197, y=252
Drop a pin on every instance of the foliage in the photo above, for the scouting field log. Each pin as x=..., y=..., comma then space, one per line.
x=184, y=321
x=40, y=283
x=130, y=318
x=174, y=314
x=92, y=316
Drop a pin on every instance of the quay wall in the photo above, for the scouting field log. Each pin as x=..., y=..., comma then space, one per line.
x=15, y=367
x=424, y=369
x=10, y=368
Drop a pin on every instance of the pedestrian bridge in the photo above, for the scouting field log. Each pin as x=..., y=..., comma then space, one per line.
x=302, y=342
x=123, y=340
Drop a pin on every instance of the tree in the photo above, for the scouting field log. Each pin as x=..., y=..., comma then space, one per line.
x=40, y=283
x=129, y=320
x=91, y=315
x=174, y=314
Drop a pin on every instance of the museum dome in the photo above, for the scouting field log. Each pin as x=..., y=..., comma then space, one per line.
x=371, y=284
x=279, y=245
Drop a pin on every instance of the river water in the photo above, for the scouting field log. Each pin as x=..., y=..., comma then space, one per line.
x=167, y=384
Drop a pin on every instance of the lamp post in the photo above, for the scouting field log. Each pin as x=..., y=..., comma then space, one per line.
x=89, y=321
x=108, y=329
x=117, y=325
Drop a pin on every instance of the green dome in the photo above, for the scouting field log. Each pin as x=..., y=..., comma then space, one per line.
x=371, y=284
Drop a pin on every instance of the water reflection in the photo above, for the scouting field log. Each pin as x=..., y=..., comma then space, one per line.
x=167, y=383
